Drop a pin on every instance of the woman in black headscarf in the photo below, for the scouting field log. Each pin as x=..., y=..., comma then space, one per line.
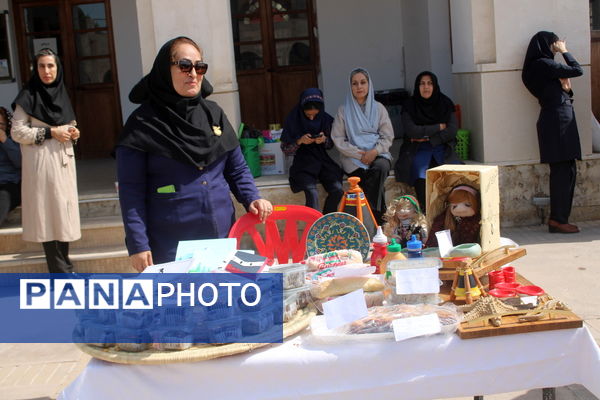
x=177, y=160
x=558, y=137
x=430, y=127
x=44, y=124
x=307, y=136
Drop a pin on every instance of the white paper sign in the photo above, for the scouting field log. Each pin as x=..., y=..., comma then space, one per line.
x=345, y=309
x=417, y=280
x=444, y=242
x=406, y=328
x=173, y=267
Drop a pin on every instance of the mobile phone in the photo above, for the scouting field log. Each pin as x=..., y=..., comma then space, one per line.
x=316, y=135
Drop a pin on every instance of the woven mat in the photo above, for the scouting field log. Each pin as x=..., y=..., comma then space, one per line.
x=196, y=353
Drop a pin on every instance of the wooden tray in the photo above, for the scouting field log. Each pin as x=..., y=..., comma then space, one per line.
x=510, y=323
x=489, y=262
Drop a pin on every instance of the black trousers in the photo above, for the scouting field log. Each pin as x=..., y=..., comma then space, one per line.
x=335, y=193
x=10, y=198
x=562, y=187
x=57, y=257
x=372, y=182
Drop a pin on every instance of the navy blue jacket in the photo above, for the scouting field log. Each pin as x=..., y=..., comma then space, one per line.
x=199, y=208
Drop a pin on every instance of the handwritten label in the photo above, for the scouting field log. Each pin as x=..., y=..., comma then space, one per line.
x=406, y=328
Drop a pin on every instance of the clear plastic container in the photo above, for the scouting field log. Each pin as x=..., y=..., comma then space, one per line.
x=302, y=296
x=134, y=319
x=220, y=310
x=98, y=335
x=132, y=340
x=290, y=308
x=257, y=322
x=225, y=330
x=392, y=297
x=294, y=275
x=171, y=339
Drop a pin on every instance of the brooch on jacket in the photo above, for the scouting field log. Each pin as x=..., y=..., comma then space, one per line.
x=217, y=130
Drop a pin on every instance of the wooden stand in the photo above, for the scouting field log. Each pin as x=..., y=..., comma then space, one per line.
x=355, y=203
x=465, y=271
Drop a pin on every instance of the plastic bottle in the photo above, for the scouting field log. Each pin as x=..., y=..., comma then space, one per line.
x=394, y=252
x=379, y=249
x=415, y=247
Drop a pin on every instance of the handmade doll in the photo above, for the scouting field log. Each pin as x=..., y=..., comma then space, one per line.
x=403, y=219
x=461, y=217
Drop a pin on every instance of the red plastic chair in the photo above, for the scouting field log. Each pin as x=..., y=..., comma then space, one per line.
x=273, y=245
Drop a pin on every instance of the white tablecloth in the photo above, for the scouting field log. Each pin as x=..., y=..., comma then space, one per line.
x=423, y=368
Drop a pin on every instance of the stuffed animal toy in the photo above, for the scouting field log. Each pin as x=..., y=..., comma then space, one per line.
x=404, y=219
x=461, y=217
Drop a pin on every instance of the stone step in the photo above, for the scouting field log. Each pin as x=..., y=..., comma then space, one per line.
x=95, y=232
x=108, y=259
x=90, y=206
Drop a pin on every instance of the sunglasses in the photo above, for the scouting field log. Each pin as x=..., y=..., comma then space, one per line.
x=186, y=66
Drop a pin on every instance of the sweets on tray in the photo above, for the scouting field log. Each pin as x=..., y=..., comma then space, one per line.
x=333, y=259
x=380, y=319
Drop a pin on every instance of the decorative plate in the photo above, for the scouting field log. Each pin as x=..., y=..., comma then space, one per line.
x=337, y=231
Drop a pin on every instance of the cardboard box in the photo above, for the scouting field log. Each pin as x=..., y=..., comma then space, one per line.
x=442, y=179
x=272, y=159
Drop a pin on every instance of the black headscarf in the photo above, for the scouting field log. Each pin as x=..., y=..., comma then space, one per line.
x=48, y=103
x=434, y=110
x=188, y=129
x=297, y=124
x=539, y=48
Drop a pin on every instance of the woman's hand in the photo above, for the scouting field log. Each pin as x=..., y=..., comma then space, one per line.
x=305, y=139
x=560, y=46
x=61, y=133
x=3, y=136
x=566, y=84
x=141, y=260
x=261, y=207
x=368, y=156
x=74, y=133
x=443, y=126
x=320, y=139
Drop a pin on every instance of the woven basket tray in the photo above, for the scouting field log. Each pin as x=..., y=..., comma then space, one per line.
x=196, y=353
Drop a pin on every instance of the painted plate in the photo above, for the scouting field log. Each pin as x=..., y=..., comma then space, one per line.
x=337, y=231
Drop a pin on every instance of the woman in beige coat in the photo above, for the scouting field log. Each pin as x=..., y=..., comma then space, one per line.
x=44, y=125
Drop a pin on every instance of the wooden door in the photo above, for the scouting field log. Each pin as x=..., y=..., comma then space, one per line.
x=275, y=54
x=81, y=33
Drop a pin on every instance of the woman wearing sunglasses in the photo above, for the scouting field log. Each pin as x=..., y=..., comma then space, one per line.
x=178, y=158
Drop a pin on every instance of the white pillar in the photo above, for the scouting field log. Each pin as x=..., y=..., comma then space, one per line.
x=489, y=41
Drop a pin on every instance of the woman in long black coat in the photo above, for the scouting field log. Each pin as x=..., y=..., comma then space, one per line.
x=558, y=137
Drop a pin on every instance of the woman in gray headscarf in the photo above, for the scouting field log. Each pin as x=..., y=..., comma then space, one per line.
x=363, y=134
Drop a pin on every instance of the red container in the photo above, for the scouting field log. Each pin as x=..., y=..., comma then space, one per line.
x=531, y=290
x=508, y=286
x=510, y=275
x=495, y=277
x=502, y=293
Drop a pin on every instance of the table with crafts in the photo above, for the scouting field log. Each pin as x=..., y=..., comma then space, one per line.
x=420, y=368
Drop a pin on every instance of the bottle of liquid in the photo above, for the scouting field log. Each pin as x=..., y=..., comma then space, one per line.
x=379, y=249
x=394, y=252
x=415, y=247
